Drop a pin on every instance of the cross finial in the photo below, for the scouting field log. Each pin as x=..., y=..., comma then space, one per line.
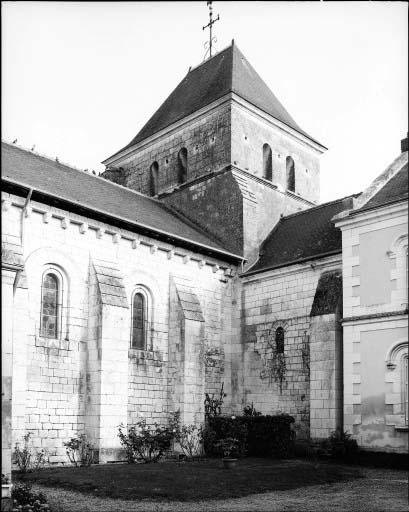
x=209, y=44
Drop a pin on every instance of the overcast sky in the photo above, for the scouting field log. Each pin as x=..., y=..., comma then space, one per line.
x=80, y=79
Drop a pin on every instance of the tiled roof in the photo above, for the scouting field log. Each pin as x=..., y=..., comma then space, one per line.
x=96, y=194
x=301, y=236
x=395, y=189
x=226, y=72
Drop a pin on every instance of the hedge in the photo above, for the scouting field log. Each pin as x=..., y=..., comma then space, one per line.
x=261, y=436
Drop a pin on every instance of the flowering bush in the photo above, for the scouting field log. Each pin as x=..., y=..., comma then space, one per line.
x=26, y=457
x=79, y=451
x=24, y=499
x=145, y=443
x=189, y=437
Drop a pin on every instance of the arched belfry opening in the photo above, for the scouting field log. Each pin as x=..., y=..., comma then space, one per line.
x=290, y=173
x=182, y=165
x=267, y=163
x=154, y=178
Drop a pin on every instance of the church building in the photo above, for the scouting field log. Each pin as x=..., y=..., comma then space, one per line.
x=200, y=258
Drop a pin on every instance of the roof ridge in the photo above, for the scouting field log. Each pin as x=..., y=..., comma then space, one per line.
x=323, y=205
x=192, y=68
x=382, y=179
x=98, y=176
x=46, y=157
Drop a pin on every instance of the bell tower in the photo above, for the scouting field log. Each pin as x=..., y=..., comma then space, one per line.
x=223, y=152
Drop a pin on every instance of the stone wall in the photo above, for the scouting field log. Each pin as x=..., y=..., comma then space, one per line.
x=216, y=205
x=250, y=132
x=282, y=298
x=89, y=380
x=206, y=138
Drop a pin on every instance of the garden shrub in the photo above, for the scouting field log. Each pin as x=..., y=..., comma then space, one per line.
x=257, y=435
x=223, y=427
x=27, y=457
x=79, y=451
x=341, y=445
x=27, y=500
x=145, y=443
x=269, y=436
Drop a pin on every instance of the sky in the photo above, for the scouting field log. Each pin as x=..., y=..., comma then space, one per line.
x=79, y=79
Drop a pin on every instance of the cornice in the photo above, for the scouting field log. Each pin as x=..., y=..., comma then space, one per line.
x=303, y=139
x=376, y=317
x=326, y=260
x=241, y=102
x=169, y=130
x=358, y=218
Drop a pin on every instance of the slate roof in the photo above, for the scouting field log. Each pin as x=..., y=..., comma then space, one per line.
x=96, y=194
x=394, y=190
x=305, y=235
x=227, y=71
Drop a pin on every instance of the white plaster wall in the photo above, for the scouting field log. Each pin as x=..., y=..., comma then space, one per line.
x=375, y=322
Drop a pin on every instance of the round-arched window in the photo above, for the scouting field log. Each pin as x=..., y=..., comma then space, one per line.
x=50, y=306
x=138, y=340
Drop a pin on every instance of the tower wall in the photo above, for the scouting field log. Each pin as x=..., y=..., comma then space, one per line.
x=250, y=132
x=216, y=205
x=206, y=138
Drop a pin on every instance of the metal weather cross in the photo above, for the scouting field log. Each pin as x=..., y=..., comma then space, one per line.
x=209, y=44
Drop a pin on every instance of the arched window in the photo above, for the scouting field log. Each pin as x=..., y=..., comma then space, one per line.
x=50, y=306
x=280, y=340
x=397, y=375
x=139, y=321
x=267, y=163
x=290, y=173
x=182, y=165
x=154, y=177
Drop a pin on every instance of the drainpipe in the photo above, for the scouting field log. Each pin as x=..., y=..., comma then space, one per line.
x=23, y=213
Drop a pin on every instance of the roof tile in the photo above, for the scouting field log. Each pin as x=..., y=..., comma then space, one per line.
x=227, y=71
x=303, y=235
x=95, y=193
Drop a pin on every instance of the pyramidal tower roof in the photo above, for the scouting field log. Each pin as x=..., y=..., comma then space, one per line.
x=226, y=72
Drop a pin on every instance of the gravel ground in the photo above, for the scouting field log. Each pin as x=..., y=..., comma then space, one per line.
x=381, y=490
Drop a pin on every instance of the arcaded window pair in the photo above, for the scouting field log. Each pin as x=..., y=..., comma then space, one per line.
x=182, y=167
x=268, y=168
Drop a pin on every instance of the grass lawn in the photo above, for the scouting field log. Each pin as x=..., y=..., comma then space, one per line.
x=191, y=480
